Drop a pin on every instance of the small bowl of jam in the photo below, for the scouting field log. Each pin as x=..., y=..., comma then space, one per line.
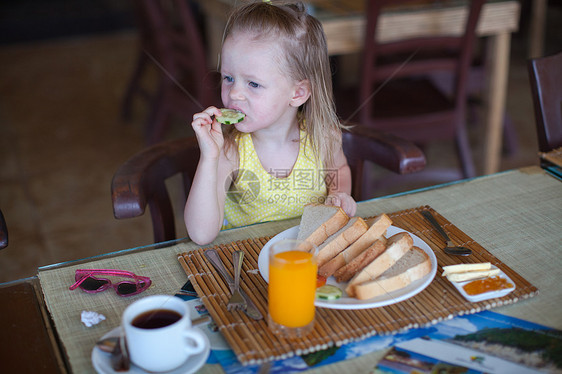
x=485, y=288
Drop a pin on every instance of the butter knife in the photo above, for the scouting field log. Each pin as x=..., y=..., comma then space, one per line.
x=214, y=258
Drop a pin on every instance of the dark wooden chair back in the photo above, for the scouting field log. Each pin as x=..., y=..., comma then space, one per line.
x=170, y=40
x=396, y=93
x=3, y=232
x=140, y=181
x=363, y=145
x=546, y=87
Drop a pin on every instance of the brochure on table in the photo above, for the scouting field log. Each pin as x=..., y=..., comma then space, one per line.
x=485, y=342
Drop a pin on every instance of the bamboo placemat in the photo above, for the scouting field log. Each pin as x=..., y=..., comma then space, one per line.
x=252, y=341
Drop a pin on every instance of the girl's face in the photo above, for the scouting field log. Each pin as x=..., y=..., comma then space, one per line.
x=254, y=82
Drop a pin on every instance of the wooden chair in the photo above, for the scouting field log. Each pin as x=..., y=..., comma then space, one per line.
x=397, y=95
x=546, y=87
x=477, y=83
x=3, y=232
x=140, y=181
x=170, y=40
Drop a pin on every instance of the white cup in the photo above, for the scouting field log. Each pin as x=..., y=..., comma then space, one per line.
x=161, y=348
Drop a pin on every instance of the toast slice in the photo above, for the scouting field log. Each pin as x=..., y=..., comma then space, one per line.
x=397, y=246
x=376, y=230
x=319, y=221
x=346, y=272
x=339, y=241
x=414, y=265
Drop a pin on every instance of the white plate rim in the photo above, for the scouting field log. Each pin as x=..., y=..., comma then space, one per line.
x=485, y=295
x=351, y=303
x=191, y=365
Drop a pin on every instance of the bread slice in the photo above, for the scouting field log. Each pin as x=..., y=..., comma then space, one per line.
x=364, y=258
x=339, y=241
x=377, y=228
x=397, y=246
x=319, y=221
x=414, y=265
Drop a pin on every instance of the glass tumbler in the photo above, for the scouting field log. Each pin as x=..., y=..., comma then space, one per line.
x=292, y=287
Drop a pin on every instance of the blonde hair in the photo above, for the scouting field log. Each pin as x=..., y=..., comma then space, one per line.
x=303, y=43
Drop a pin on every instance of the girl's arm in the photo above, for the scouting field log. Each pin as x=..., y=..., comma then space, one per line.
x=339, y=193
x=204, y=209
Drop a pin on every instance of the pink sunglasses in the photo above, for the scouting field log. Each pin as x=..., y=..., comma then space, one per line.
x=88, y=283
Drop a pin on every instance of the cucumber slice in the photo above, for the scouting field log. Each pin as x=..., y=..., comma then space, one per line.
x=230, y=116
x=328, y=292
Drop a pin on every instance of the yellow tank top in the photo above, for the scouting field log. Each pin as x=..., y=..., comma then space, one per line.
x=259, y=195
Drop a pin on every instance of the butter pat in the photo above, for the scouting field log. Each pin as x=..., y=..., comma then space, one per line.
x=464, y=268
x=461, y=277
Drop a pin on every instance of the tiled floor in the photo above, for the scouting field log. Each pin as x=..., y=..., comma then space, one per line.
x=61, y=140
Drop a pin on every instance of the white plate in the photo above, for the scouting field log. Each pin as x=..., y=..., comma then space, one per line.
x=102, y=360
x=346, y=302
x=485, y=295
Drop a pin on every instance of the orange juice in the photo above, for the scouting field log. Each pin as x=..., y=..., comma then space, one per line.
x=292, y=287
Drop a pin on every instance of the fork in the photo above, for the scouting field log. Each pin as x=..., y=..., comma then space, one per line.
x=236, y=301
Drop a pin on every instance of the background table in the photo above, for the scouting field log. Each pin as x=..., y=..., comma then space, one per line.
x=515, y=215
x=344, y=24
x=29, y=344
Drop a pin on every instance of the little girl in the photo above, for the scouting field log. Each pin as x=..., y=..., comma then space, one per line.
x=287, y=150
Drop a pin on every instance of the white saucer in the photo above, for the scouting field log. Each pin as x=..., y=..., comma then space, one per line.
x=102, y=360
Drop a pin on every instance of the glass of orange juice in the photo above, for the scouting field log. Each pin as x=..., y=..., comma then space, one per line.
x=292, y=287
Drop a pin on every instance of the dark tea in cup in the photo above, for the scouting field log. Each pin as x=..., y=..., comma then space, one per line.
x=157, y=318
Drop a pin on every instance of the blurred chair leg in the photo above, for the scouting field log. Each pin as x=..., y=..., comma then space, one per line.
x=510, y=140
x=158, y=121
x=133, y=86
x=465, y=154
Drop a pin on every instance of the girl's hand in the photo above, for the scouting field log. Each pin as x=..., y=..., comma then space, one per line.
x=208, y=132
x=344, y=201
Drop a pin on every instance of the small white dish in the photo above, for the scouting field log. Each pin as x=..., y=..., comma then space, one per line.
x=102, y=360
x=346, y=302
x=485, y=295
